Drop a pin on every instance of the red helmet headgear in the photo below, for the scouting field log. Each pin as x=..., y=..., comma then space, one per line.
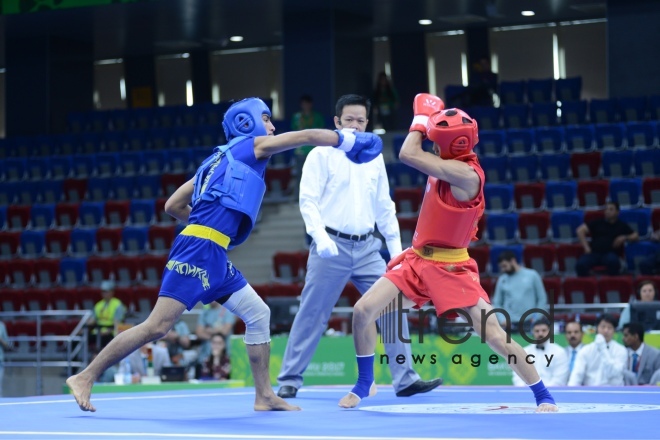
x=454, y=131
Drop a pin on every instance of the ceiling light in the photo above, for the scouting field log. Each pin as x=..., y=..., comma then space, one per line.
x=528, y=13
x=425, y=22
x=236, y=38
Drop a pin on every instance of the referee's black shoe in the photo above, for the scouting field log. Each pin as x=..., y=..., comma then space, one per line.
x=421, y=386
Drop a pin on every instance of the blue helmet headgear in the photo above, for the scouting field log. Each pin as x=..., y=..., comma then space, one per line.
x=244, y=118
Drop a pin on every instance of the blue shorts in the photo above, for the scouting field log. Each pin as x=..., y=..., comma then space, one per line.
x=198, y=270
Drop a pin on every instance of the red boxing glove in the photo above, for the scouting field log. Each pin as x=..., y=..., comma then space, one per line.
x=424, y=106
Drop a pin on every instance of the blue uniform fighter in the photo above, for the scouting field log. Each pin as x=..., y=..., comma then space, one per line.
x=220, y=204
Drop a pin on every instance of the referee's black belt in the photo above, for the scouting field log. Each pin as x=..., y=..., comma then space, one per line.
x=352, y=237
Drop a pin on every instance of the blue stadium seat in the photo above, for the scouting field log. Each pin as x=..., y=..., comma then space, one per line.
x=285, y=159
x=539, y=90
x=3, y=218
x=544, y=114
x=564, y=225
x=639, y=251
x=199, y=155
x=610, y=136
x=561, y=195
x=32, y=243
x=134, y=239
x=50, y=191
x=210, y=135
x=45, y=146
x=7, y=193
x=114, y=141
x=617, y=163
x=83, y=241
x=14, y=169
x=549, y=139
x=626, y=192
x=167, y=117
x=160, y=138
x=499, y=197
x=573, y=112
x=640, y=134
x=488, y=118
x=179, y=160
x=89, y=143
x=91, y=214
x=99, y=121
x=42, y=216
x=60, y=167
x=512, y=92
x=495, y=168
x=602, y=111
x=632, y=109
x=38, y=168
x=147, y=187
x=491, y=142
x=131, y=163
x=107, y=164
x=502, y=228
x=123, y=188
x=520, y=141
x=136, y=140
x=401, y=175
x=142, y=118
x=154, y=161
x=98, y=188
x=397, y=143
x=184, y=137
x=554, y=166
x=77, y=122
x=524, y=168
x=142, y=212
x=654, y=107
x=84, y=165
x=28, y=193
x=638, y=219
x=495, y=252
x=579, y=138
x=72, y=271
x=568, y=89
x=119, y=120
x=68, y=144
x=515, y=116
x=647, y=163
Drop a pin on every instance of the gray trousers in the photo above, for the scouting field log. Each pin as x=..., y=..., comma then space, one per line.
x=361, y=263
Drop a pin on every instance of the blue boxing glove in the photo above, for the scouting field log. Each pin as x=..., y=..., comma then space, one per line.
x=359, y=147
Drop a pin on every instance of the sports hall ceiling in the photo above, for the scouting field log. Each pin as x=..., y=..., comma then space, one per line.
x=176, y=26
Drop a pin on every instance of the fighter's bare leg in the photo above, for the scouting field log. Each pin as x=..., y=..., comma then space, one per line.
x=265, y=398
x=165, y=313
x=365, y=314
x=496, y=338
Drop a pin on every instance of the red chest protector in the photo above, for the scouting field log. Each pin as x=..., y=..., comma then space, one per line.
x=444, y=225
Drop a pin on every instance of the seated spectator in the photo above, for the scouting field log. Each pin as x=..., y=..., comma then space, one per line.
x=214, y=319
x=178, y=343
x=518, y=290
x=385, y=101
x=549, y=358
x=647, y=292
x=306, y=118
x=608, y=235
x=108, y=313
x=574, y=334
x=643, y=366
x=108, y=376
x=602, y=362
x=217, y=365
x=651, y=265
x=155, y=353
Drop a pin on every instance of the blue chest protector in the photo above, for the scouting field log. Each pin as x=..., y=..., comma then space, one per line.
x=242, y=188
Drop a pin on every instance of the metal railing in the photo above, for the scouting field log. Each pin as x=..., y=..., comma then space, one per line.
x=76, y=355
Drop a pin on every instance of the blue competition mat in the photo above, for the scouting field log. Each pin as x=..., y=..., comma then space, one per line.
x=448, y=412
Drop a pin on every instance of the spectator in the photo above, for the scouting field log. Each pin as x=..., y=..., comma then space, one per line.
x=140, y=358
x=608, y=235
x=178, y=342
x=549, y=358
x=574, y=334
x=108, y=313
x=643, y=366
x=602, y=362
x=5, y=345
x=518, y=290
x=647, y=292
x=306, y=118
x=483, y=85
x=108, y=376
x=214, y=319
x=651, y=264
x=217, y=365
x=385, y=102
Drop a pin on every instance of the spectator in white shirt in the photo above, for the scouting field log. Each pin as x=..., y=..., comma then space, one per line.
x=643, y=367
x=574, y=334
x=549, y=358
x=340, y=202
x=601, y=362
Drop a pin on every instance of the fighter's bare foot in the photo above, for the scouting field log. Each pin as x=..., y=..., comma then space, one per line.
x=351, y=400
x=547, y=408
x=273, y=403
x=82, y=391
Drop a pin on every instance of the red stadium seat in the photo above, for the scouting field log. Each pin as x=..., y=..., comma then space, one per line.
x=481, y=255
x=99, y=269
x=488, y=285
x=57, y=241
x=567, y=256
x=46, y=272
x=75, y=190
x=66, y=214
x=144, y=299
x=18, y=216
x=351, y=293
x=263, y=290
x=407, y=227
x=541, y=258
x=152, y=267
x=171, y=182
x=11, y=300
x=161, y=238
x=63, y=299
x=585, y=165
x=615, y=289
x=116, y=212
x=651, y=191
x=529, y=196
x=552, y=287
x=590, y=216
x=9, y=242
x=408, y=200
x=20, y=272
x=533, y=227
x=285, y=290
x=87, y=297
x=593, y=194
x=287, y=266
x=36, y=300
x=580, y=290
x=161, y=215
x=108, y=240
x=126, y=269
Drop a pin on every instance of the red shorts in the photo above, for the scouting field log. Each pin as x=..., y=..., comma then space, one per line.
x=447, y=285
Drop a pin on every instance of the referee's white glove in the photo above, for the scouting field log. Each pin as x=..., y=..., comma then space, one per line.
x=325, y=247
